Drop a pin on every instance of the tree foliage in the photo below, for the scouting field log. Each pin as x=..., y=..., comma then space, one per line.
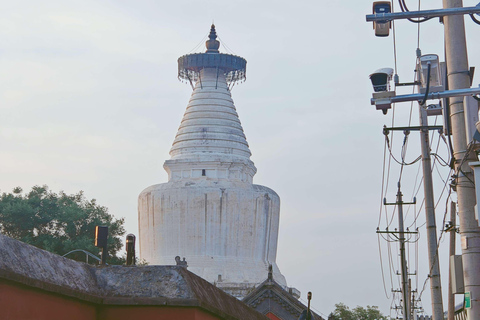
x=58, y=223
x=342, y=312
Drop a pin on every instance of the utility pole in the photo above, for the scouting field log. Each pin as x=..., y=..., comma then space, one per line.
x=411, y=302
x=453, y=231
x=458, y=78
x=434, y=273
x=458, y=75
x=406, y=296
x=403, y=260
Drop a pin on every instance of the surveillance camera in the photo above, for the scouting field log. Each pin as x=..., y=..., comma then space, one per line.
x=381, y=79
x=382, y=27
x=381, y=85
x=383, y=104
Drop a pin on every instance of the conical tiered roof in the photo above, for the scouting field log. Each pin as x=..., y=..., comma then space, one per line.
x=210, y=126
x=210, y=137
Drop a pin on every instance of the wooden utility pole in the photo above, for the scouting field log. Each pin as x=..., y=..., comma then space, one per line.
x=459, y=78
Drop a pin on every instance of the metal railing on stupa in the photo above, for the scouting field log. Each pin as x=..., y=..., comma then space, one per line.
x=190, y=65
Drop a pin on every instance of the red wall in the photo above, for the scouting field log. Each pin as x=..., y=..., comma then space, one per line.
x=151, y=312
x=272, y=316
x=22, y=303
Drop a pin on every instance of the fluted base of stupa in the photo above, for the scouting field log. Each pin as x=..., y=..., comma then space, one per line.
x=223, y=229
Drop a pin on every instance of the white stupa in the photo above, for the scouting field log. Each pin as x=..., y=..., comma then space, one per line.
x=209, y=211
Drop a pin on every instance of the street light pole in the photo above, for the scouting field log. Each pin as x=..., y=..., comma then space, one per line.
x=458, y=78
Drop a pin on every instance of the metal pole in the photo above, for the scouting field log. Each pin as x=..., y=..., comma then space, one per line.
x=458, y=78
x=451, y=296
x=431, y=96
x=435, y=281
x=406, y=296
x=309, y=297
x=104, y=256
x=422, y=14
x=410, y=297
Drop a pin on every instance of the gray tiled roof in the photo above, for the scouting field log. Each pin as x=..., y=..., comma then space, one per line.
x=116, y=285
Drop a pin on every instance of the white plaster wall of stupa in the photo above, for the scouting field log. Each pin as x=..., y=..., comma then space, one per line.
x=209, y=211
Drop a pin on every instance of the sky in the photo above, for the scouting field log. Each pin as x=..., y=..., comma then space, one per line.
x=89, y=100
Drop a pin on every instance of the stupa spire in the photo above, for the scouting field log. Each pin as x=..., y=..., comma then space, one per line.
x=210, y=131
x=212, y=44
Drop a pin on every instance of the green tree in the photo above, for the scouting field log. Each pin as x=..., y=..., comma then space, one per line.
x=369, y=313
x=58, y=223
x=342, y=312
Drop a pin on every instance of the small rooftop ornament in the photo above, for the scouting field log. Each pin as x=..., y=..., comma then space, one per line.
x=181, y=263
x=190, y=65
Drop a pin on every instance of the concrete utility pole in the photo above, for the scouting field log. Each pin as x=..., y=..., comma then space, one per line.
x=453, y=231
x=403, y=259
x=434, y=267
x=458, y=78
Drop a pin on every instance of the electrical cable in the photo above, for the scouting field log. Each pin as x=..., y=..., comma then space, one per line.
x=392, y=265
x=381, y=268
x=393, y=216
x=199, y=44
x=443, y=190
x=404, y=8
x=399, y=280
x=418, y=214
x=438, y=242
x=224, y=44
x=402, y=163
x=428, y=85
x=388, y=176
x=416, y=260
x=445, y=181
x=383, y=183
x=437, y=159
x=465, y=158
x=441, y=161
x=447, y=110
x=394, y=46
x=312, y=308
x=384, y=192
x=388, y=239
x=414, y=195
x=389, y=259
x=444, y=139
x=474, y=19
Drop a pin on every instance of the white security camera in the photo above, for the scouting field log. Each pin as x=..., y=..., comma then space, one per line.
x=381, y=79
x=381, y=85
